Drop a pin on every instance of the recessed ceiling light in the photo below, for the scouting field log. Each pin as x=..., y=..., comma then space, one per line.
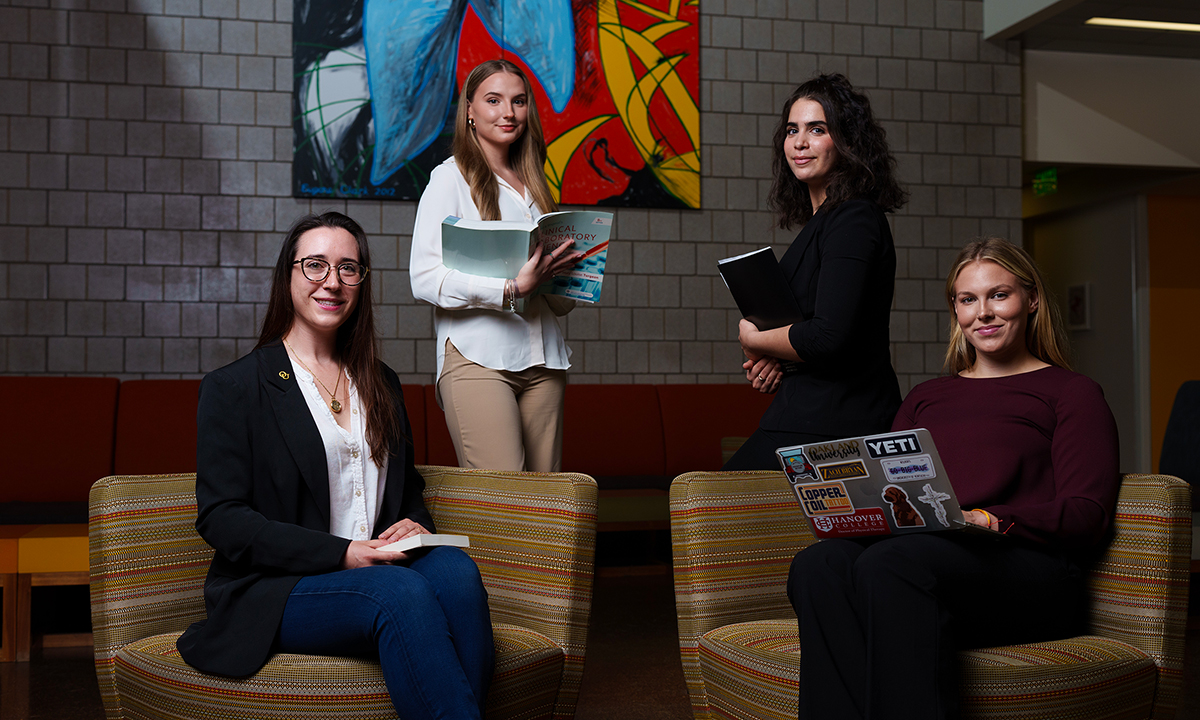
x=1144, y=24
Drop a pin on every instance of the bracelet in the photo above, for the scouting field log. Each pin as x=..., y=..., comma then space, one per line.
x=990, y=518
x=510, y=291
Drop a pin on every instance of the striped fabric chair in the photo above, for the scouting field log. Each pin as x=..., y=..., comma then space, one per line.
x=532, y=535
x=734, y=535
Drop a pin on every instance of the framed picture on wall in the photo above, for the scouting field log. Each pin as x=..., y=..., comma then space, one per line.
x=616, y=82
x=1079, y=304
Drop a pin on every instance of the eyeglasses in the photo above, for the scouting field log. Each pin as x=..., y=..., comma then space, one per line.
x=316, y=270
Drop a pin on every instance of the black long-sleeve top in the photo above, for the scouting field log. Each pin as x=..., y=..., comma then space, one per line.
x=842, y=270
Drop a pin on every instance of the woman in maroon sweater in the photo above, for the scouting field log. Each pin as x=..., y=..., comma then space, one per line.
x=1032, y=447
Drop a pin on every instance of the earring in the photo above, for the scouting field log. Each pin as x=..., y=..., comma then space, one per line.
x=471, y=122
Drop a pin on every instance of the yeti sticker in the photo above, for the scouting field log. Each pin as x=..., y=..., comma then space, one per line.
x=901, y=443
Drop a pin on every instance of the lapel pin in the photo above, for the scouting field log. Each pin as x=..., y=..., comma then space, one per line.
x=283, y=374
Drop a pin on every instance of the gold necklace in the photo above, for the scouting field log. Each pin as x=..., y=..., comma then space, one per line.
x=334, y=405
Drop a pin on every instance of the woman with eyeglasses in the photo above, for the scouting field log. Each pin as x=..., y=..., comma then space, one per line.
x=501, y=374
x=304, y=471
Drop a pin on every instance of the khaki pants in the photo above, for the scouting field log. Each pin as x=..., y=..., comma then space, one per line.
x=503, y=420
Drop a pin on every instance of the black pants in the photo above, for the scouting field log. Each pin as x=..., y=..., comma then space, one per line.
x=758, y=453
x=880, y=622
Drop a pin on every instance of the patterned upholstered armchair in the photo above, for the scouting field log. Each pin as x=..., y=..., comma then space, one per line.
x=733, y=538
x=532, y=535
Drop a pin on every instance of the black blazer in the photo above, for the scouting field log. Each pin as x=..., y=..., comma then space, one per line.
x=842, y=270
x=262, y=490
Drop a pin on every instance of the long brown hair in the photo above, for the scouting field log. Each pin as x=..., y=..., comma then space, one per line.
x=865, y=167
x=527, y=154
x=1044, y=334
x=356, y=345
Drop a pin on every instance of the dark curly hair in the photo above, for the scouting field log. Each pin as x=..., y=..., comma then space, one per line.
x=865, y=167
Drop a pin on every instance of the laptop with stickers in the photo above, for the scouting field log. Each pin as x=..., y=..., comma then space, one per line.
x=874, y=485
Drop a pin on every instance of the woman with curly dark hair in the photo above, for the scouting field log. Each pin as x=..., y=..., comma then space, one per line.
x=831, y=372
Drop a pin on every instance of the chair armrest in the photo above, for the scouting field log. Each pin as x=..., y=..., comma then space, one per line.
x=147, y=565
x=733, y=536
x=533, y=536
x=1139, y=587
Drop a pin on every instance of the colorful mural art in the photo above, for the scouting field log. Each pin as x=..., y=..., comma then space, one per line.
x=616, y=83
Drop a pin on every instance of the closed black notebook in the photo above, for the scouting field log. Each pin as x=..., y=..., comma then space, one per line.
x=760, y=289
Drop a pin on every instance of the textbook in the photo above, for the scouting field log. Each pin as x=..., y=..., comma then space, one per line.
x=498, y=249
x=427, y=540
x=760, y=289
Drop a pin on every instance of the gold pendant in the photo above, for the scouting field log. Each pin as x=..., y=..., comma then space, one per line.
x=335, y=406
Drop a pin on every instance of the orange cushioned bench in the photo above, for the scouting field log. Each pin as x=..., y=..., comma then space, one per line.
x=616, y=433
x=81, y=429
x=52, y=457
x=156, y=427
x=696, y=418
x=414, y=403
x=625, y=436
x=62, y=445
x=439, y=448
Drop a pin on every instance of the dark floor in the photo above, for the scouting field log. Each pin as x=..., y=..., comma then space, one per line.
x=632, y=669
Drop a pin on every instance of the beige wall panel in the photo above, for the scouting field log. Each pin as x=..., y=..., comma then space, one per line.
x=1111, y=109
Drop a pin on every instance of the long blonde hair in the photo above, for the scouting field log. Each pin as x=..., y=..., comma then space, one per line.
x=1044, y=334
x=527, y=154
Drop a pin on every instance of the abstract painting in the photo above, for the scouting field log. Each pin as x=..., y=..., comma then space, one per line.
x=616, y=83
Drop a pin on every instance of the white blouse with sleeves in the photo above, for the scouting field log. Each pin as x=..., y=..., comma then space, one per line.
x=468, y=309
x=356, y=483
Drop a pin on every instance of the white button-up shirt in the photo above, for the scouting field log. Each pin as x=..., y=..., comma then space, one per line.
x=355, y=482
x=469, y=309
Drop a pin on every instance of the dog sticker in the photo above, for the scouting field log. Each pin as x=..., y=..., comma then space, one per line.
x=903, y=511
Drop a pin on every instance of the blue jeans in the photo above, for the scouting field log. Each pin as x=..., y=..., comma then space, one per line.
x=427, y=622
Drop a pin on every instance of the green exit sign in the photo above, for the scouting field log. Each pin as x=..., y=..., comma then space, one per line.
x=1045, y=182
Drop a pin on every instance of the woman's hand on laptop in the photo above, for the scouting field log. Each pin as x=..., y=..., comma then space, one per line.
x=983, y=518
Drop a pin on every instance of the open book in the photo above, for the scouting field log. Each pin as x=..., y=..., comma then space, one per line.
x=427, y=540
x=498, y=248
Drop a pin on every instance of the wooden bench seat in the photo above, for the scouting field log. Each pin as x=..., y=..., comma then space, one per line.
x=37, y=556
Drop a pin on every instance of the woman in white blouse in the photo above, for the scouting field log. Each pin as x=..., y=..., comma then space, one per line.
x=500, y=374
x=304, y=471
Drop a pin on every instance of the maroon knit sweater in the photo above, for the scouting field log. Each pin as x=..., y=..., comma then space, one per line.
x=1037, y=450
